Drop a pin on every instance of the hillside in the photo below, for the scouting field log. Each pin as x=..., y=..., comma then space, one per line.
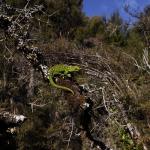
x=109, y=107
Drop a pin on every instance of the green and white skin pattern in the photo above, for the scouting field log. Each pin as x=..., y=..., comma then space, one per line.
x=61, y=69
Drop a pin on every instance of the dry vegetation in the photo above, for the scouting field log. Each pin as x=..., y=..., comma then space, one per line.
x=111, y=102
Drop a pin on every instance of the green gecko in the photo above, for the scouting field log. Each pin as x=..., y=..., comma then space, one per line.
x=61, y=69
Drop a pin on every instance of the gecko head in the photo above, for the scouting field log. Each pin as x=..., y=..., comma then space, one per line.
x=74, y=68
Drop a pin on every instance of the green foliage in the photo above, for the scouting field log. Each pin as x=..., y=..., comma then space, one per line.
x=95, y=26
x=116, y=30
x=135, y=43
x=80, y=35
x=117, y=38
x=143, y=25
x=127, y=141
x=116, y=18
x=67, y=18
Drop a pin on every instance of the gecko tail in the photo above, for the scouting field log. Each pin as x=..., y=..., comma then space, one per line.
x=59, y=86
x=65, y=88
x=71, y=92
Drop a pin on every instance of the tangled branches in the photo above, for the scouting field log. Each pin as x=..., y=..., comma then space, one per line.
x=97, y=104
x=17, y=27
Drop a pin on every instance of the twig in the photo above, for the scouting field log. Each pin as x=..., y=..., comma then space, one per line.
x=71, y=132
